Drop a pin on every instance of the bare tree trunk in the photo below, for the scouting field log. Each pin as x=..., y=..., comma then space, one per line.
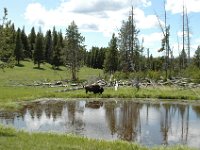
x=166, y=46
x=188, y=37
x=38, y=64
x=183, y=35
x=74, y=74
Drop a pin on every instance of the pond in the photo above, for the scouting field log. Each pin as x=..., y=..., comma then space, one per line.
x=147, y=123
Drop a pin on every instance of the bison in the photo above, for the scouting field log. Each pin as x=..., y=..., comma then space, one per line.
x=94, y=88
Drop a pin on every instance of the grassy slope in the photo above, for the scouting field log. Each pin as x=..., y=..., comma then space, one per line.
x=19, y=140
x=27, y=75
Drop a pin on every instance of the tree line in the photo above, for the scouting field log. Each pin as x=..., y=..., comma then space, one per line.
x=124, y=53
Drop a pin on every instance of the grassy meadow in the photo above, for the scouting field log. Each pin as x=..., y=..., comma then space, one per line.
x=12, y=82
x=19, y=140
x=13, y=92
x=12, y=89
x=28, y=73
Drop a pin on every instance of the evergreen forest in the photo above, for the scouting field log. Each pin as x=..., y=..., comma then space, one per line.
x=125, y=56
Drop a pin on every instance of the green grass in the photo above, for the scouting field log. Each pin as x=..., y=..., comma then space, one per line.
x=11, y=92
x=12, y=81
x=19, y=140
x=149, y=92
x=28, y=73
x=11, y=96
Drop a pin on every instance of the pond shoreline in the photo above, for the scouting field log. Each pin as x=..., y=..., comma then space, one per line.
x=98, y=114
x=136, y=100
x=13, y=139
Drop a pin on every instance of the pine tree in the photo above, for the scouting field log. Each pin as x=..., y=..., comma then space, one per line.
x=88, y=59
x=58, y=51
x=101, y=57
x=32, y=40
x=25, y=43
x=74, y=48
x=18, y=47
x=111, y=60
x=7, y=42
x=48, y=47
x=13, y=35
x=129, y=48
x=197, y=57
x=55, y=41
x=39, y=50
x=94, y=55
x=183, y=59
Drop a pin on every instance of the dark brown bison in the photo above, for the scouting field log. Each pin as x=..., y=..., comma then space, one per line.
x=94, y=88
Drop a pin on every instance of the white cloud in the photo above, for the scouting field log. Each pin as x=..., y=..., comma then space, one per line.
x=91, y=15
x=146, y=3
x=145, y=22
x=195, y=44
x=176, y=6
x=197, y=40
x=152, y=41
x=180, y=34
x=152, y=38
x=178, y=44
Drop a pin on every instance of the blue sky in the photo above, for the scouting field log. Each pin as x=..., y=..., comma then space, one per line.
x=98, y=19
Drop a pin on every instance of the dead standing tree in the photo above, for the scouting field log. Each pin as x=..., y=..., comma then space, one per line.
x=186, y=38
x=165, y=42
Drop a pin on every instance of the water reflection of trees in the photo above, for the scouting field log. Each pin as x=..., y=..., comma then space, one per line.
x=130, y=121
x=167, y=114
x=53, y=109
x=7, y=117
x=184, y=112
x=65, y=110
x=165, y=122
x=71, y=112
x=124, y=119
x=110, y=110
x=196, y=110
x=155, y=106
x=75, y=116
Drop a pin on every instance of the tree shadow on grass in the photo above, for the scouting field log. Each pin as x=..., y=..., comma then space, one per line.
x=19, y=65
x=38, y=68
x=57, y=69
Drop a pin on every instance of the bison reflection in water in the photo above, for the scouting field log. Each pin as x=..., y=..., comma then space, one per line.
x=94, y=88
x=94, y=104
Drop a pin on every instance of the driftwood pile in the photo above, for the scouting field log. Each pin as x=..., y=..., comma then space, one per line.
x=175, y=82
x=49, y=84
x=180, y=82
x=138, y=83
x=146, y=82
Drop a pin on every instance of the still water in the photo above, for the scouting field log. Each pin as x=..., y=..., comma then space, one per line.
x=143, y=122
